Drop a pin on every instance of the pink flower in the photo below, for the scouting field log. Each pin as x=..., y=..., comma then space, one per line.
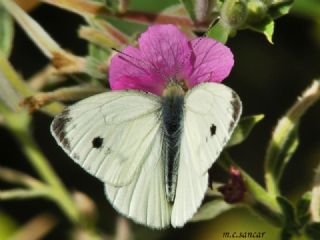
x=165, y=55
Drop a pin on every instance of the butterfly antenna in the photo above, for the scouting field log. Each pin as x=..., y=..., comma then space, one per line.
x=141, y=63
x=187, y=56
x=212, y=24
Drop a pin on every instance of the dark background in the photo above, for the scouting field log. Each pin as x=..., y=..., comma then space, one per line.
x=268, y=78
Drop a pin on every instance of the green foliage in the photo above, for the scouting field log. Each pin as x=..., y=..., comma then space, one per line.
x=189, y=6
x=290, y=226
x=244, y=128
x=303, y=208
x=280, y=8
x=284, y=140
x=282, y=146
x=220, y=32
x=265, y=26
x=6, y=31
x=313, y=231
x=253, y=14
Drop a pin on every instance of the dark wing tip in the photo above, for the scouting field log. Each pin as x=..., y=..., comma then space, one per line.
x=58, y=127
x=237, y=110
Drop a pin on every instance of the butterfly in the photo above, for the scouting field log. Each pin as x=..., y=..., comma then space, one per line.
x=151, y=152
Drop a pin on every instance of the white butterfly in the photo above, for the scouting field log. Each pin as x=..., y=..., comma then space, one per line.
x=153, y=153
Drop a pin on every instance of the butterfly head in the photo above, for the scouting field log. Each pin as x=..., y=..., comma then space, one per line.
x=174, y=87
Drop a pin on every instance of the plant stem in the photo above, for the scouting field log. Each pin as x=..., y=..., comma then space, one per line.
x=19, y=124
x=260, y=201
x=15, y=83
x=46, y=172
x=284, y=139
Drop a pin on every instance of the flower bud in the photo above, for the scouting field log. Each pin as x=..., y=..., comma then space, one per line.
x=234, y=12
x=257, y=10
x=234, y=191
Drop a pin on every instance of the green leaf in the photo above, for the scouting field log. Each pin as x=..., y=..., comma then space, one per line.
x=288, y=211
x=284, y=140
x=112, y=5
x=265, y=27
x=303, y=207
x=313, y=230
x=280, y=8
x=212, y=209
x=189, y=6
x=219, y=32
x=6, y=31
x=291, y=226
x=244, y=128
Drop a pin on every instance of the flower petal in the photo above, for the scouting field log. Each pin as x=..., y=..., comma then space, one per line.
x=129, y=71
x=166, y=48
x=212, y=61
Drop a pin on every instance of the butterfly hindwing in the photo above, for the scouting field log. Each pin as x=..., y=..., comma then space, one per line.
x=110, y=134
x=144, y=199
x=211, y=112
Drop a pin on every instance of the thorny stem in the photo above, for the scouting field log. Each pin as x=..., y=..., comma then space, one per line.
x=260, y=201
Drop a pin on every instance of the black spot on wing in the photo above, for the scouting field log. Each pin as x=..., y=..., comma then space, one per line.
x=108, y=152
x=75, y=156
x=58, y=127
x=213, y=129
x=236, y=107
x=97, y=142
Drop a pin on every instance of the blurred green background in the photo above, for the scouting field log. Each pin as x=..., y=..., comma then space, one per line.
x=267, y=77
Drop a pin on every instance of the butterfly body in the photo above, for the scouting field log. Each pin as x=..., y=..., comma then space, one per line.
x=172, y=124
x=153, y=153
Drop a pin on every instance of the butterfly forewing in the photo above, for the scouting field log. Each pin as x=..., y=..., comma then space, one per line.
x=110, y=134
x=211, y=112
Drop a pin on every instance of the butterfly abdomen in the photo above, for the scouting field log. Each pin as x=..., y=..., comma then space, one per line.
x=172, y=116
